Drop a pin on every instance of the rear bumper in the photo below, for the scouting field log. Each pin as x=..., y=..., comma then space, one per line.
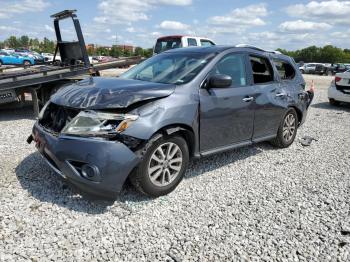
x=338, y=95
x=109, y=162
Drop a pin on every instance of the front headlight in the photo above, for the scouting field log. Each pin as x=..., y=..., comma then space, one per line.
x=96, y=123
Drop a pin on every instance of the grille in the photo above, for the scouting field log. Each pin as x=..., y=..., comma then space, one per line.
x=56, y=117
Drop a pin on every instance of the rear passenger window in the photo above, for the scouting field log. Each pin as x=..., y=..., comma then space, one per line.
x=205, y=42
x=191, y=42
x=285, y=70
x=262, y=70
x=232, y=65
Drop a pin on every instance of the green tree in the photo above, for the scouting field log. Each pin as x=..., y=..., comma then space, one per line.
x=331, y=54
x=138, y=51
x=24, y=41
x=12, y=42
x=115, y=51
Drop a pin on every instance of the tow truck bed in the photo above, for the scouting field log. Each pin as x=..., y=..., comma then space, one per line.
x=13, y=78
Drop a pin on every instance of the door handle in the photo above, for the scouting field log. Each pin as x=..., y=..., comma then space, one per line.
x=280, y=94
x=248, y=99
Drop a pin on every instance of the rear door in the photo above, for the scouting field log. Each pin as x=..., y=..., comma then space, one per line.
x=227, y=114
x=271, y=100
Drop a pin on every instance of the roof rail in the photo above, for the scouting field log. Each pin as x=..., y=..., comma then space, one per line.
x=259, y=49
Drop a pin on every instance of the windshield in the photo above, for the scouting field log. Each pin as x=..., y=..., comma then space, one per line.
x=169, y=68
x=166, y=44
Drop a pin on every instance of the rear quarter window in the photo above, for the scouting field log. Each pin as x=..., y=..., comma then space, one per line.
x=205, y=42
x=285, y=70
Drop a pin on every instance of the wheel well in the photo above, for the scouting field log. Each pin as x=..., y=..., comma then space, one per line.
x=183, y=130
x=299, y=113
x=27, y=61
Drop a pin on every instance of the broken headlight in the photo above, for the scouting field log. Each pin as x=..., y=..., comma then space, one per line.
x=94, y=123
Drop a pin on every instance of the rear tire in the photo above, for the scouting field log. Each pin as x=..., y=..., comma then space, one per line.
x=287, y=130
x=334, y=102
x=160, y=171
x=302, y=71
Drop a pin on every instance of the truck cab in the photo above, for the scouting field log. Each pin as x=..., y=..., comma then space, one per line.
x=177, y=41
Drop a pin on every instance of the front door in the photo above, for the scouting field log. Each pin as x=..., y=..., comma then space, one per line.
x=227, y=114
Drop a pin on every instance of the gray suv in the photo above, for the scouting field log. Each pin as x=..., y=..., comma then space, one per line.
x=147, y=124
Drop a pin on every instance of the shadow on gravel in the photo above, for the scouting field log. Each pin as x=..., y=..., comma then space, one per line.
x=41, y=182
x=16, y=112
x=343, y=107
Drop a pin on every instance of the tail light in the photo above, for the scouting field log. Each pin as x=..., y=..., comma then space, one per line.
x=337, y=79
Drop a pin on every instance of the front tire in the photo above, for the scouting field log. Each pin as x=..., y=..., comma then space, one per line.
x=287, y=130
x=163, y=165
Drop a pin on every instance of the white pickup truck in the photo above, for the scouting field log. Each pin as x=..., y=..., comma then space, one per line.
x=176, y=41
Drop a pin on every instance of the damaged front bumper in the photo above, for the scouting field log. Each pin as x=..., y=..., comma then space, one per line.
x=94, y=165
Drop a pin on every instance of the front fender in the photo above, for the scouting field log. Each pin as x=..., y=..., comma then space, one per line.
x=172, y=110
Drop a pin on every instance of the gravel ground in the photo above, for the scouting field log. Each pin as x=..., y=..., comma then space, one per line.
x=253, y=203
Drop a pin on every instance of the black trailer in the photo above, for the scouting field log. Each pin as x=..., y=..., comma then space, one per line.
x=42, y=81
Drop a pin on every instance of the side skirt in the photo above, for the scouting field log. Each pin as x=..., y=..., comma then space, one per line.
x=236, y=145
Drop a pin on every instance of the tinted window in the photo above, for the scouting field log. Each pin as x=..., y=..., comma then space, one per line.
x=285, y=70
x=232, y=65
x=191, y=42
x=262, y=70
x=169, y=68
x=166, y=44
x=205, y=42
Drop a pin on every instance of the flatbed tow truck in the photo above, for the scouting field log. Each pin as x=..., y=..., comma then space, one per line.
x=44, y=80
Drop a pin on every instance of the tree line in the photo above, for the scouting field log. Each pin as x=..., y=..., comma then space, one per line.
x=48, y=46
x=117, y=51
x=326, y=54
x=45, y=45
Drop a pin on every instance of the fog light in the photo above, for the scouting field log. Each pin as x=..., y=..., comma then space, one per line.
x=90, y=172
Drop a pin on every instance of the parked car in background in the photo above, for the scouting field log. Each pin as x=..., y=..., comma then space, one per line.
x=15, y=59
x=103, y=59
x=8, y=50
x=176, y=41
x=48, y=57
x=39, y=59
x=188, y=102
x=339, y=90
x=337, y=68
x=309, y=68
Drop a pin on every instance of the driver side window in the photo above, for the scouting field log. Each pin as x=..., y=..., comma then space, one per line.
x=232, y=65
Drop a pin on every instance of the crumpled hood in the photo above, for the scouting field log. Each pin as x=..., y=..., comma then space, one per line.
x=103, y=93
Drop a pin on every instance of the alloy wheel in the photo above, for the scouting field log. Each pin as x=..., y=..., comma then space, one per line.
x=165, y=164
x=289, y=127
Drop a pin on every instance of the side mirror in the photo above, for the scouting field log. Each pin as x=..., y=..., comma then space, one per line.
x=220, y=81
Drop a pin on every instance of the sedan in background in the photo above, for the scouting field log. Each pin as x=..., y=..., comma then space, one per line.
x=339, y=91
